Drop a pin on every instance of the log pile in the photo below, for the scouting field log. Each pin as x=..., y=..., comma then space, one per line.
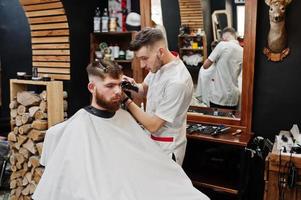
x=28, y=124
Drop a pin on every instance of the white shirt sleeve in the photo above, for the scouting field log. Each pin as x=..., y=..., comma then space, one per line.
x=216, y=53
x=147, y=78
x=169, y=107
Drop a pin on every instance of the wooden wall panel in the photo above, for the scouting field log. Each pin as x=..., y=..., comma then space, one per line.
x=43, y=6
x=29, y=2
x=49, y=37
x=48, y=19
x=191, y=14
x=50, y=33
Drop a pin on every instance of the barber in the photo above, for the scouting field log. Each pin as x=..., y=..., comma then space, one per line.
x=168, y=89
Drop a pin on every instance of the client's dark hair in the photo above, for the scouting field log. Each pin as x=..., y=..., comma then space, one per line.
x=103, y=68
x=146, y=37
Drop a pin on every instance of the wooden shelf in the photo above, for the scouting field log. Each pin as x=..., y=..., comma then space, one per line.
x=187, y=36
x=241, y=140
x=31, y=82
x=55, y=98
x=191, y=49
x=124, y=61
x=115, y=33
x=122, y=39
x=186, y=49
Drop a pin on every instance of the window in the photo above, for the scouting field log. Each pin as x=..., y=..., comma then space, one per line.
x=240, y=20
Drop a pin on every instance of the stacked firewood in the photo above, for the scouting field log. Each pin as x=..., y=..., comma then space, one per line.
x=29, y=124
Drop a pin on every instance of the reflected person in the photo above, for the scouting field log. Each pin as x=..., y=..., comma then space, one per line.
x=227, y=58
x=204, y=78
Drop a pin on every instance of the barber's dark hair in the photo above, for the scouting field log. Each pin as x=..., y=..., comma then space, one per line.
x=104, y=68
x=229, y=30
x=146, y=37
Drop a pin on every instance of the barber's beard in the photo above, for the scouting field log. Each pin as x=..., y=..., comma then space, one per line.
x=158, y=64
x=110, y=106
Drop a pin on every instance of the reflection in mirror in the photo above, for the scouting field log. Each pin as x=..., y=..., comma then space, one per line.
x=217, y=88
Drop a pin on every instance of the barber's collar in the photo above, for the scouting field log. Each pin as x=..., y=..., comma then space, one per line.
x=168, y=65
x=99, y=113
x=234, y=41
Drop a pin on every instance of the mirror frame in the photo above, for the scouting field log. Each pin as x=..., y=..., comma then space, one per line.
x=245, y=120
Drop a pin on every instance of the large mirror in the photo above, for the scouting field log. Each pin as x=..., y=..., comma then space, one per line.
x=217, y=90
x=238, y=14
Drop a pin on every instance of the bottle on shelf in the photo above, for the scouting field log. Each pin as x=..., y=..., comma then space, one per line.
x=96, y=21
x=113, y=21
x=116, y=51
x=105, y=21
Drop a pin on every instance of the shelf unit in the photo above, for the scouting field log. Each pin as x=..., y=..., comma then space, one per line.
x=191, y=45
x=54, y=90
x=274, y=168
x=122, y=39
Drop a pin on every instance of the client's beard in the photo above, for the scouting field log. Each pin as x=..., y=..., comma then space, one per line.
x=108, y=105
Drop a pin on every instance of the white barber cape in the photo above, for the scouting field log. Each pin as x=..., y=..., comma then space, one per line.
x=93, y=158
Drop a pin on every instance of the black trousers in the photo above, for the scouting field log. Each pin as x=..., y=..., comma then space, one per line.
x=213, y=105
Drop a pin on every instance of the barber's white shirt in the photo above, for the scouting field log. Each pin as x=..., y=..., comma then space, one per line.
x=224, y=88
x=169, y=95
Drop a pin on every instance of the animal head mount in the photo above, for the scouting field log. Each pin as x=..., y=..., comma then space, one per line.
x=277, y=37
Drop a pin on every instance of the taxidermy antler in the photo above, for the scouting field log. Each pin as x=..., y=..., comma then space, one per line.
x=277, y=38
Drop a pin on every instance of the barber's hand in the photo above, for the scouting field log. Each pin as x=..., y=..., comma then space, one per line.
x=124, y=96
x=128, y=84
x=125, y=100
x=129, y=79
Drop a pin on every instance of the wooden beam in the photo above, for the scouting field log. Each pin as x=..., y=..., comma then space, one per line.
x=45, y=26
x=145, y=11
x=28, y=2
x=51, y=58
x=59, y=11
x=50, y=52
x=51, y=46
x=51, y=64
x=49, y=39
x=45, y=6
x=54, y=70
x=57, y=76
x=61, y=32
x=47, y=19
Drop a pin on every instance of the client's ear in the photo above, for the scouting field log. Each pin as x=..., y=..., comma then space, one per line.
x=91, y=87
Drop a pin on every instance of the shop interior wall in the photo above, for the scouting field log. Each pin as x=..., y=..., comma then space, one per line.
x=16, y=54
x=15, y=51
x=277, y=97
